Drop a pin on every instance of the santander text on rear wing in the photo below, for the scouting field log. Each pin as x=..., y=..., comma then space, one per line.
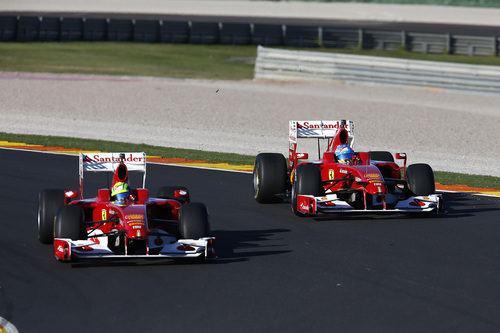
x=108, y=162
x=322, y=129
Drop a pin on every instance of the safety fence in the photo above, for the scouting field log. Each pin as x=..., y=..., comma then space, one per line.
x=71, y=28
x=278, y=64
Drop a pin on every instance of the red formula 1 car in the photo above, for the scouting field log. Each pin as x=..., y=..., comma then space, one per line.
x=122, y=222
x=368, y=182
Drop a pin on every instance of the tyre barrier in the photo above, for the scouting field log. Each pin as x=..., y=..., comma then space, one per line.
x=234, y=31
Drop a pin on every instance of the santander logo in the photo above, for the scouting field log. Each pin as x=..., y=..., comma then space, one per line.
x=129, y=158
x=304, y=206
x=320, y=125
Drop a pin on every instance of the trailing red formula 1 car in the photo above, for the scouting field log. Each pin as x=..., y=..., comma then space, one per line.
x=122, y=222
x=342, y=180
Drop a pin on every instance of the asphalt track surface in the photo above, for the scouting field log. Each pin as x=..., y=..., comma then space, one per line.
x=275, y=272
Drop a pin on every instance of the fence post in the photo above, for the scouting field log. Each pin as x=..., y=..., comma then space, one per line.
x=283, y=34
x=403, y=40
x=320, y=36
x=360, y=38
x=448, y=43
x=495, y=45
x=251, y=33
x=219, y=30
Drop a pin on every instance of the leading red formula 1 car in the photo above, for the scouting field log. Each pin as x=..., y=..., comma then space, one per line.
x=122, y=222
x=366, y=182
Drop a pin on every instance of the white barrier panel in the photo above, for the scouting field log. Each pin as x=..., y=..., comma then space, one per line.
x=277, y=64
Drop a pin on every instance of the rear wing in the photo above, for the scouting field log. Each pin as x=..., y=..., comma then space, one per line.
x=322, y=129
x=319, y=129
x=108, y=162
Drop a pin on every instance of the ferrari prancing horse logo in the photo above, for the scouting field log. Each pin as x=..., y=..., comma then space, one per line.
x=331, y=174
x=104, y=214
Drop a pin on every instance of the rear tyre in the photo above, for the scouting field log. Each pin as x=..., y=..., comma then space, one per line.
x=193, y=221
x=420, y=178
x=307, y=181
x=379, y=155
x=70, y=223
x=269, y=177
x=48, y=203
x=168, y=192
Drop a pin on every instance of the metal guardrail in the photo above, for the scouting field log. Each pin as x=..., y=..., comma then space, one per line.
x=48, y=27
x=281, y=64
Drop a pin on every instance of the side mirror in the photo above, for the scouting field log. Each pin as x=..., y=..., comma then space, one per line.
x=401, y=156
x=302, y=156
x=180, y=193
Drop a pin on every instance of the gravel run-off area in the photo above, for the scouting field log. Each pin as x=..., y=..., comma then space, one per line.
x=451, y=131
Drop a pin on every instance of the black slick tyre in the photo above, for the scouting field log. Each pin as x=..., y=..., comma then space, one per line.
x=269, y=177
x=70, y=223
x=193, y=221
x=380, y=155
x=49, y=202
x=168, y=192
x=420, y=178
x=307, y=181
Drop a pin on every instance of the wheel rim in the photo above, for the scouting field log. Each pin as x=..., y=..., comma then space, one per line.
x=256, y=182
x=38, y=217
x=293, y=199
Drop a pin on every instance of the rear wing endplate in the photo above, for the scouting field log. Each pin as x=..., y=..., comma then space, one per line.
x=108, y=162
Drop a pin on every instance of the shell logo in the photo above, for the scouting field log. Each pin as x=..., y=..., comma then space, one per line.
x=372, y=175
x=95, y=240
x=135, y=216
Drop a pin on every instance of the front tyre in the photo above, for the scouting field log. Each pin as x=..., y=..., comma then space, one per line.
x=269, y=177
x=48, y=203
x=70, y=223
x=420, y=178
x=307, y=181
x=193, y=221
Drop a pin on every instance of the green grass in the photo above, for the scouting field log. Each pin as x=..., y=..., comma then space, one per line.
x=141, y=59
x=190, y=154
x=168, y=60
x=451, y=178
x=471, y=3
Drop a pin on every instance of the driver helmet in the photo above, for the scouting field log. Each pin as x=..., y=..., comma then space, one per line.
x=344, y=154
x=120, y=193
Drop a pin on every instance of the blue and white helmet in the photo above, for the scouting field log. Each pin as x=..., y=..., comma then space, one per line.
x=344, y=154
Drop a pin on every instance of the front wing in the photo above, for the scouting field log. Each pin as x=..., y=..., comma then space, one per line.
x=66, y=249
x=311, y=205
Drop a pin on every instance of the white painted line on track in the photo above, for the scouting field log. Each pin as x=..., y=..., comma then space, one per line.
x=84, y=77
x=215, y=169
